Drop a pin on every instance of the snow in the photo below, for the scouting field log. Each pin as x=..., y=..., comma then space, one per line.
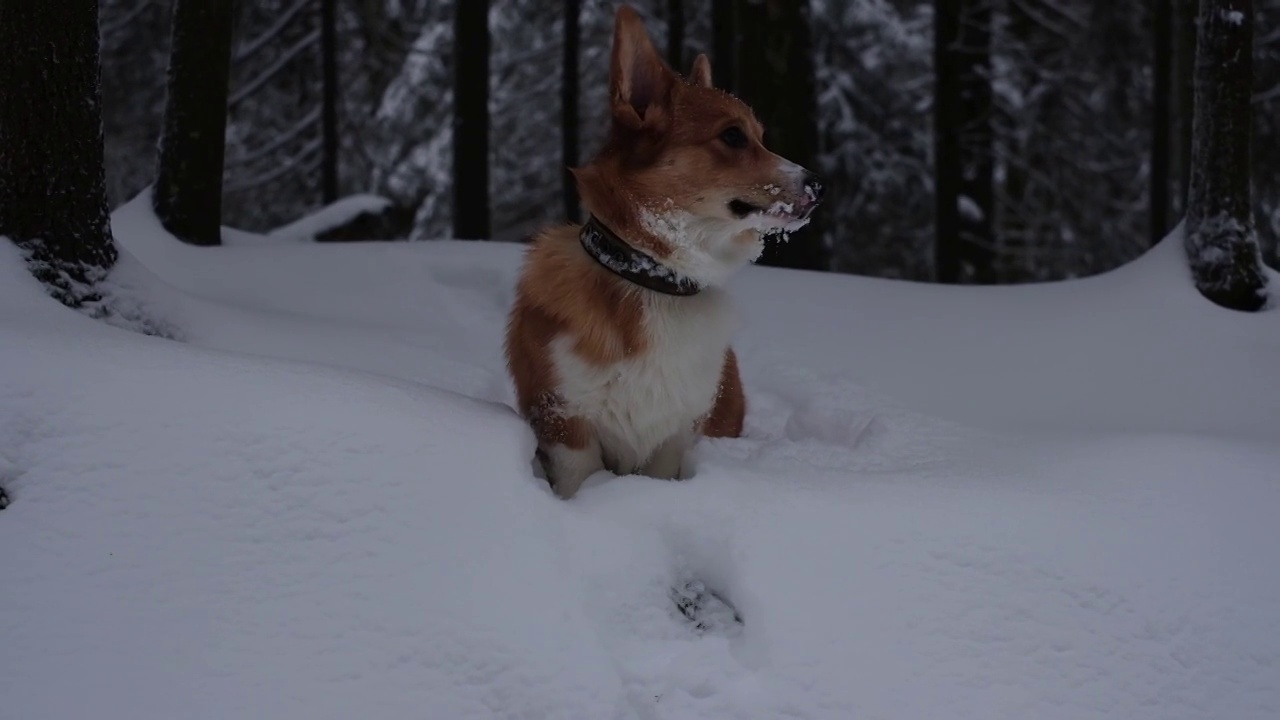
x=969, y=209
x=336, y=214
x=1048, y=501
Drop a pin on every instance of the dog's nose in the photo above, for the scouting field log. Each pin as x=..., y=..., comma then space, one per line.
x=813, y=187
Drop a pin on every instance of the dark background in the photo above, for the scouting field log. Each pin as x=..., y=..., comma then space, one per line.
x=1067, y=124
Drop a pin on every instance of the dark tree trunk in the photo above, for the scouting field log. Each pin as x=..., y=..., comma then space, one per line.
x=53, y=199
x=188, y=190
x=471, y=120
x=675, y=35
x=1162, y=111
x=724, y=43
x=569, y=107
x=776, y=77
x=964, y=141
x=1184, y=70
x=1221, y=243
x=329, y=100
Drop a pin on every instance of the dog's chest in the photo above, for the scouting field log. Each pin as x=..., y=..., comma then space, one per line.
x=640, y=402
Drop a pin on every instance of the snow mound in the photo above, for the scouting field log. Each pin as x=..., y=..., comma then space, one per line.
x=333, y=215
x=1048, y=502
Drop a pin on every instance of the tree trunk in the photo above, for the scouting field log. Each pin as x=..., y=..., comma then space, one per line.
x=1162, y=111
x=53, y=200
x=1221, y=243
x=776, y=78
x=964, y=142
x=724, y=43
x=1184, y=70
x=188, y=189
x=569, y=108
x=329, y=100
x=675, y=35
x=471, y=120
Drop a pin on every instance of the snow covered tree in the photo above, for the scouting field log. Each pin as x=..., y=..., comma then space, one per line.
x=1221, y=243
x=964, y=142
x=471, y=120
x=53, y=201
x=188, y=189
x=775, y=61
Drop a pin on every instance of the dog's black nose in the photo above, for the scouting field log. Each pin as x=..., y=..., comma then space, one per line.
x=813, y=187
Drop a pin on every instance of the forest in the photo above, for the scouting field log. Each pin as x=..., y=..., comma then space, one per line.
x=450, y=359
x=1075, y=116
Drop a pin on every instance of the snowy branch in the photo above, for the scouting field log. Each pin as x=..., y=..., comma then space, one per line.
x=264, y=38
x=307, y=151
x=249, y=156
x=106, y=30
x=285, y=58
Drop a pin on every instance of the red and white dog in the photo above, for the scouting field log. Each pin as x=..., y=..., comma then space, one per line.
x=618, y=342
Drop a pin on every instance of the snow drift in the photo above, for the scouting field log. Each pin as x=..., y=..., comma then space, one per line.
x=1050, y=501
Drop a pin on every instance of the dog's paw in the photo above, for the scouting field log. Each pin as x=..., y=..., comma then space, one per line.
x=4, y=499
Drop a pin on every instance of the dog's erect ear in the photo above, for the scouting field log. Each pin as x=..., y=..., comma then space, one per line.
x=701, y=73
x=640, y=82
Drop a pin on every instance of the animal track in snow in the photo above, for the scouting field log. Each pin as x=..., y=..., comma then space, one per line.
x=705, y=610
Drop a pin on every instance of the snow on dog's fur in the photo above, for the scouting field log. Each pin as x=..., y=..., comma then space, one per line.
x=610, y=372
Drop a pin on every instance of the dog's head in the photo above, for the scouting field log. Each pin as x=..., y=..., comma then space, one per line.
x=684, y=174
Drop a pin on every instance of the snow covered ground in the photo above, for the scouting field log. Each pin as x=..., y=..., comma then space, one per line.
x=1054, y=501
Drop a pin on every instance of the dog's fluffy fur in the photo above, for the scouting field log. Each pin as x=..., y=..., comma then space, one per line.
x=611, y=375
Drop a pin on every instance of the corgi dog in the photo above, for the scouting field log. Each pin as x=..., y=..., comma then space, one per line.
x=618, y=342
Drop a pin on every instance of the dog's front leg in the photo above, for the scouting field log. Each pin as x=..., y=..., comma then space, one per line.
x=668, y=461
x=568, y=467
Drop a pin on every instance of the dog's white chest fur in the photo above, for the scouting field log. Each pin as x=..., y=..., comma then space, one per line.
x=639, y=405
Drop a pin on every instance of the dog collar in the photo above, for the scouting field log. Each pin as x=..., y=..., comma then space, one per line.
x=619, y=258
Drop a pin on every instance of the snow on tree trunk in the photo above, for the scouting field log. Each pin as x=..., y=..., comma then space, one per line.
x=776, y=78
x=53, y=201
x=1221, y=243
x=964, y=138
x=471, y=219
x=188, y=189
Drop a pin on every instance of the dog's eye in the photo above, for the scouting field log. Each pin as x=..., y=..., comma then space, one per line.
x=734, y=137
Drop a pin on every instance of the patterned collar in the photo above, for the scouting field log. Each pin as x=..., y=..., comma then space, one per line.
x=619, y=258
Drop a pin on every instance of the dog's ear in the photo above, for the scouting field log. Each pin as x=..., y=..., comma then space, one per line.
x=640, y=82
x=701, y=73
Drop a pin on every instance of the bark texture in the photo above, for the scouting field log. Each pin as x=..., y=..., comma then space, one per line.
x=964, y=141
x=188, y=189
x=471, y=43
x=53, y=201
x=1221, y=242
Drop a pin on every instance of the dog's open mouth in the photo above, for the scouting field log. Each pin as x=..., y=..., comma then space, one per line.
x=777, y=216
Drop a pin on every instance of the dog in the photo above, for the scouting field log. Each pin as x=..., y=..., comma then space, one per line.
x=618, y=342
